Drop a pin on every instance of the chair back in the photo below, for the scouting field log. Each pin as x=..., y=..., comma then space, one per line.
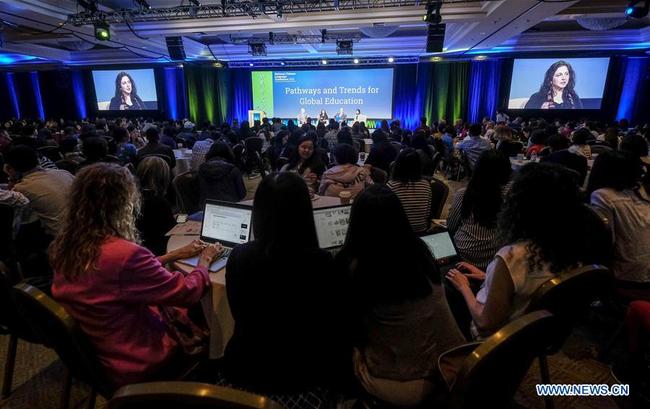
x=186, y=186
x=51, y=152
x=253, y=144
x=439, y=194
x=9, y=315
x=599, y=148
x=378, y=175
x=570, y=293
x=7, y=248
x=67, y=164
x=59, y=330
x=186, y=395
x=492, y=373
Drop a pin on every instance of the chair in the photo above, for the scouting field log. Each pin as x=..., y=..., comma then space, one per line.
x=599, y=148
x=396, y=145
x=439, y=194
x=378, y=175
x=67, y=164
x=567, y=296
x=181, y=395
x=13, y=326
x=186, y=186
x=57, y=328
x=253, y=155
x=491, y=374
x=51, y=152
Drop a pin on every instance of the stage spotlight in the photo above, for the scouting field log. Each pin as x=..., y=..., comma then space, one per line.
x=432, y=15
x=278, y=10
x=324, y=62
x=635, y=10
x=391, y=60
x=250, y=64
x=282, y=63
x=102, y=31
x=344, y=47
x=356, y=61
x=197, y=3
x=257, y=49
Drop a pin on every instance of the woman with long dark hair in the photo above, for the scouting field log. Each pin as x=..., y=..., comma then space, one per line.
x=400, y=315
x=557, y=89
x=412, y=189
x=288, y=325
x=306, y=161
x=126, y=94
x=472, y=218
x=548, y=230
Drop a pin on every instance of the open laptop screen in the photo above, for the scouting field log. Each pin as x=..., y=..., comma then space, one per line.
x=440, y=245
x=229, y=224
x=332, y=225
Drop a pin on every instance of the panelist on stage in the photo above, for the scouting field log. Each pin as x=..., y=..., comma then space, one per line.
x=341, y=116
x=322, y=117
x=302, y=117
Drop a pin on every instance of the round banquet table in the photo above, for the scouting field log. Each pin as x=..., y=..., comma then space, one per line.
x=183, y=158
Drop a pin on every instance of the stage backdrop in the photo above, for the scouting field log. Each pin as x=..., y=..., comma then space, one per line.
x=447, y=90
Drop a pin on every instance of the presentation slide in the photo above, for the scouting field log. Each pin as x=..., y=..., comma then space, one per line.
x=301, y=94
x=125, y=90
x=558, y=83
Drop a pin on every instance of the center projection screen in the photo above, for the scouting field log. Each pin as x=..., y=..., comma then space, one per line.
x=282, y=94
x=558, y=83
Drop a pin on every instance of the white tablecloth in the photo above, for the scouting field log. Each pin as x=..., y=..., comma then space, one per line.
x=214, y=304
x=183, y=158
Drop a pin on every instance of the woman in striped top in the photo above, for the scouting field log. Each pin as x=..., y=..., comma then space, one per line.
x=413, y=190
x=472, y=220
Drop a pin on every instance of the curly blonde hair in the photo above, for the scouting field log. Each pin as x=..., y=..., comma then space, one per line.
x=103, y=202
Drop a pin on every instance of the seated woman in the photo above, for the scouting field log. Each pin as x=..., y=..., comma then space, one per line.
x=306, y=161
x=472, y=220
x=537, y=142
x=545, y=224
x=156, y=217
x=219, y=178
x=401, y=318
x=288, y=336
x=111, y=285
x=618, y=196
x=579, y=144
x=346, y=175
x=412, y=189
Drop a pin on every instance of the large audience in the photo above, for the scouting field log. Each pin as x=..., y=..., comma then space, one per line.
x=93, y=200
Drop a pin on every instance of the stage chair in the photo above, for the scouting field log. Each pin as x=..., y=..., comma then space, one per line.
x=491, y=374
x=186, y=395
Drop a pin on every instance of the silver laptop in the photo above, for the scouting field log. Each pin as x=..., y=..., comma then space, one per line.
x=225, y=222
x=443, y=249
x=332, y=225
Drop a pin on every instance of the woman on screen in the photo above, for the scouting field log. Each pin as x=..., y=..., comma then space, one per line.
x=557, y=90
x=126, y=95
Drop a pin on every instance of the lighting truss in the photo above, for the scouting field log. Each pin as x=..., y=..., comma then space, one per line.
x=317, y=62
x=240, y=8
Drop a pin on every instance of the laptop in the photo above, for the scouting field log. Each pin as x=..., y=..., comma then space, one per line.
x=332, y=225
x=443, y=249
x=225, y=222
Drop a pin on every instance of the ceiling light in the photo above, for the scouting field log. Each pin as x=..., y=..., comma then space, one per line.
x=250, y=64
x=356, y=61
x=281, y=62
x=391, y=60
x=432, y=15
x=102, y=31
x=635, y=10
x=324, y=62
